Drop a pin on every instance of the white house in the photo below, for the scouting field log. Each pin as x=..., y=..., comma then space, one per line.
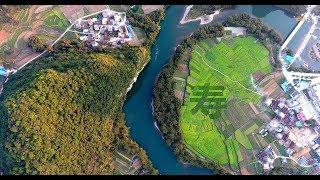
x=105, y=14
x=85, y=30
x=78, y=24
x=90, y=22
x=97, y=37
x=96, y=27
x=94, y=44
x=83, y=38
x=104, y=21
x=117, y=18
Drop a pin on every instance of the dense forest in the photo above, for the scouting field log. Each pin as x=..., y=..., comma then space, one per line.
x=149, y=23
x=296, y=10
x=37, y=44
x=62, y=114
x=166, y=105
x=200, y=10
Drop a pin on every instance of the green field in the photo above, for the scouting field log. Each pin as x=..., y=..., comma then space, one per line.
x=55, y=19
x=217, y=73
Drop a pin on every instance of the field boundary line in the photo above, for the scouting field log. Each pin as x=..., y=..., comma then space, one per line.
x=226, y=75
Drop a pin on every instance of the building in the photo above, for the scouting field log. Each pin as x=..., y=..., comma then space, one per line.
x=96, y=27
x=288, y=59
x=94, y=44
x=111, y=28
x=78, y=24
x=90, y=22
x=305, y=106
x=4, y=72
x=85, y=30
x=117, y=18
x=83, y=38
x=104, y=21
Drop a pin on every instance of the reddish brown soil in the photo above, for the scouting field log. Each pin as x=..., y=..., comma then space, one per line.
x=3, y=36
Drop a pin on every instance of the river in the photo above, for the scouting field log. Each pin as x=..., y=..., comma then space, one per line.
x=138, y=108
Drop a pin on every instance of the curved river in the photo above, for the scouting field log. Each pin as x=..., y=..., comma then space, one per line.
x=138, y=109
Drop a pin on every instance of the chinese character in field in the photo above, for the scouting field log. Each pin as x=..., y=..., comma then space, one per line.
x=209, y=100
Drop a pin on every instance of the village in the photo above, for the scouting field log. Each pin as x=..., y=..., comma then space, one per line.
x=295, y=113
x=110, y=28
x=107, y=29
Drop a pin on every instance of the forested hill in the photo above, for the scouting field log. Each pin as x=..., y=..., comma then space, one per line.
x=62, y=113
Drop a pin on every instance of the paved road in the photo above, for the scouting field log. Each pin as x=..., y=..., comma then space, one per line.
x=305, y=17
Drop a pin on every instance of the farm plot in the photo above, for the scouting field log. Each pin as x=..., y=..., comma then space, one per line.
x=55, y=19
x=216, y=121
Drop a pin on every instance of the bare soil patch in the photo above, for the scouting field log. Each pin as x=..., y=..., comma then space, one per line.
x=42, y=8
x=24, y=60
x=3, y=36
x=150, y=8
x=72, y=12
x=136, y=41
x=244, y=171
x=95, y=8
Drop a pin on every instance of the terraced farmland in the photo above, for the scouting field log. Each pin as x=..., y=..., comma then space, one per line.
x=55, y=19
x=216, y=120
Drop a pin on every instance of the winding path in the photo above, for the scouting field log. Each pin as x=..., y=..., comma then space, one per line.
x=226, y=75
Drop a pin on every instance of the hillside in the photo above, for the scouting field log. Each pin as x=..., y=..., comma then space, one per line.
x=62, y=114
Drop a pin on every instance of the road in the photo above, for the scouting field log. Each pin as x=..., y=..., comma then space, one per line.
x=61, y=36
x=306, y=39
x=284, y=45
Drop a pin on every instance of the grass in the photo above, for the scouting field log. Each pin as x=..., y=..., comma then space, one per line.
x=23, y=15
x=238, y=59
x=55, y=19
x=251, y=129
x=232, y=147
x=243, y=139
x=14, y=38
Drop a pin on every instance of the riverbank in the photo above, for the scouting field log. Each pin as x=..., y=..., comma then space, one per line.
x=136, y=77
x=138, y=108
x=205, y=19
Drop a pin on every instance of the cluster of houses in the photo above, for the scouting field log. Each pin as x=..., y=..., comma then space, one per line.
x=138, y=168
x=295, y=125
x=266, y=157
x=110, y=28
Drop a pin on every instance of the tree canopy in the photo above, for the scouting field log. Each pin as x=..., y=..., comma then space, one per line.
x=62, y=114
x=37, y=44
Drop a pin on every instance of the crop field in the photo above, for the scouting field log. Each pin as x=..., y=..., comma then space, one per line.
x=47, y=22
x=216, y=120
x=55, y=19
